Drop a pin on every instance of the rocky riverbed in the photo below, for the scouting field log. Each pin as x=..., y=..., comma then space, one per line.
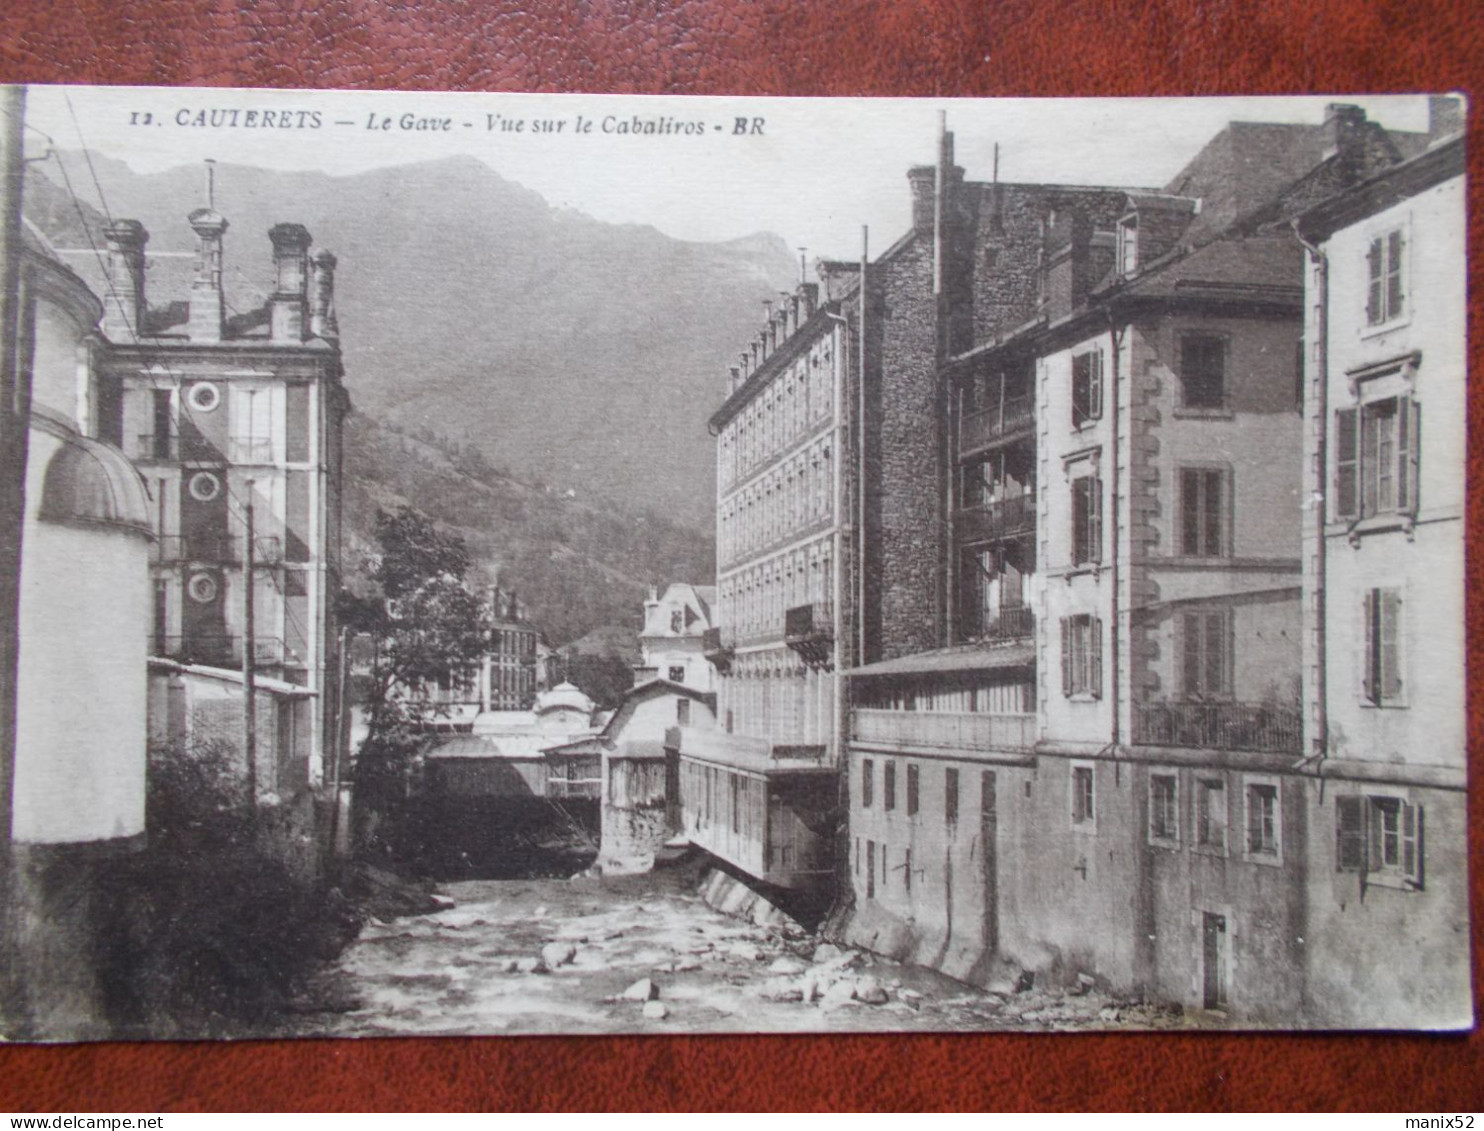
x=645, y=954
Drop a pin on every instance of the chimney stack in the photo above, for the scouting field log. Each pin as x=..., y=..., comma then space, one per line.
x=1344, y=127
x=291, y=286
x=322, y=322
x=923, y=179
x=124, y=308
x=809, y=300
x=1444, y=116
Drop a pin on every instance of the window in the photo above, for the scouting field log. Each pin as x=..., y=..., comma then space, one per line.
x=907, y=869
x=889, y=786
x=682, y=712
x=1083, y=811
x=1087, y=387
x=252, y=425
x=1128, y=245
x=1210, y=814
x=736, y=798
x=1386, y=293
x=1380, y=837
x=1082, y=656
x=1087, y=519
x=677, y=673
x=1203, y=512
x=1206, y=654
x=950, y=795
x=1381, y=669
x=1376, y=452
x=868, y=783
x=1164, y=809
x=870, y=869
x=1262, y=820
x=1203, y=372
x=912, y=789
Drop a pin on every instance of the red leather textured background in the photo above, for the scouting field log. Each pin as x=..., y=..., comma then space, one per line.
x=853, y=47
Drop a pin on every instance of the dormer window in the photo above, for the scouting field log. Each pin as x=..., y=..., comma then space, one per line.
x=1128, y=245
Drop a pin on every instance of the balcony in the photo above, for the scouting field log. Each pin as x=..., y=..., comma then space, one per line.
x=242, y=449
x=1011, y=622
x=941, y=730
x=1256, y=727
x=218, y=549
x=719, y=655
x=217, y=650
x=156, y=447
x=992, y=425
x=810, y=631
x=1003, y=518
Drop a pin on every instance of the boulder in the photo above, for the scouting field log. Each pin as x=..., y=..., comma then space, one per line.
x=871, y=992
x=840, y=994
x=530, y=966
x=642, y=990
x=826, y=951
x=655, y=1010
x=556, y=954
x=786, y=965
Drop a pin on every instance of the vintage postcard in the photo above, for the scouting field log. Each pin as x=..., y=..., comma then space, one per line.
x=482, y=563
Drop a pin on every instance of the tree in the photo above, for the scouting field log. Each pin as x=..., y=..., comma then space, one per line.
x=427, y=627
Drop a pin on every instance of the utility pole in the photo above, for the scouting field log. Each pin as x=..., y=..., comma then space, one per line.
x=338, y=754
x=249, y=665
x=14, y=435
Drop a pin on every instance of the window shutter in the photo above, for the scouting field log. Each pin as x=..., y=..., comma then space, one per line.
x=1095, y=518
x=1408, y=440
x=1389, y=653
x=1190, y=511
x=1347, y=462
x=1095, y=385
x=1350, y=834
x=1395, y=298
x=1190, y=639
x=1412, y=843
x=1095, y=657
x=1215, y=516
x=1066, y=656
x=1369, y=662
x=1216, y=643
x=1375, y=272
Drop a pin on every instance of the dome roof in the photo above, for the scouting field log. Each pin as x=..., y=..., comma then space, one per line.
x=563, y=696
x=89, y=481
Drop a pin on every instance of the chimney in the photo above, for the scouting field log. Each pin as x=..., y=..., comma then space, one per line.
x=1344, y=129
x=124, y=308
x=1444, y=116
x=746, y=364
x=809, y=300
x=735, y=379
x=322, y=323
x=923, y=179
x=291, y=287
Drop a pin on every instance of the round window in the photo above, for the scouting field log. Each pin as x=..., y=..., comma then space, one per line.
x=204, y=486
x=202, y=588
x=204, y=396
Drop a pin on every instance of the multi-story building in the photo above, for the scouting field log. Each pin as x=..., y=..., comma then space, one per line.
x=1383, y=794
x=1080, y=701
x=236, y=417
x=509, y=676
x=759, y=791
x=672, y=643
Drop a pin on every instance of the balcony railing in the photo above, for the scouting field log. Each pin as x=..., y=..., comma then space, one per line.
x=250, y=450
x=156, y=446
x=218, y=549
x=942, y=730
x=810, y=631
x=1220, y=726
x=217, y=650
x=988, y=425
x=1003, y=518
x=1011, y=622
x=717, y=652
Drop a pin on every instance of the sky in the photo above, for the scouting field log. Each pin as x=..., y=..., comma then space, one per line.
x=814, y=171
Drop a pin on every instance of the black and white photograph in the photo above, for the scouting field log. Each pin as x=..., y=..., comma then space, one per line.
x=482, y=564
